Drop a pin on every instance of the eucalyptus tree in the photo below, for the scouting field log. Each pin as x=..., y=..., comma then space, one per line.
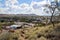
x=53, y=8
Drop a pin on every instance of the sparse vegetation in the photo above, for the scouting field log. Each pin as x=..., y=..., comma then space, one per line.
x=36, y=33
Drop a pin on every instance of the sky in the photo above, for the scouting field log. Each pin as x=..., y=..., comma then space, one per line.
x=23, y=6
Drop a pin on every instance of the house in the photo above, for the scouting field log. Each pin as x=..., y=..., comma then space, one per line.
x=15, y=26
x=12, y=27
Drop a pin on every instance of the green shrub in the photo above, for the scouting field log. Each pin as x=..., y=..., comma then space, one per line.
x=0, y=27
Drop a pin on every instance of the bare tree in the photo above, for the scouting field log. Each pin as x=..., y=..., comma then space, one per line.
x=52, y=8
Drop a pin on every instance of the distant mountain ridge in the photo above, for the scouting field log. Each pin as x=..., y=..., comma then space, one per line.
x=11, y=15
x=27, y=15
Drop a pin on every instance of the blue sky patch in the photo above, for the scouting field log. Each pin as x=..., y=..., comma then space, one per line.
x=24, y=1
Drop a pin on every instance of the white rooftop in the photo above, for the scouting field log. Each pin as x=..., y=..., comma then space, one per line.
x=15, y=25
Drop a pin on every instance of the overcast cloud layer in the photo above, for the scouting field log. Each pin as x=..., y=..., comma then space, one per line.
x=23, y=7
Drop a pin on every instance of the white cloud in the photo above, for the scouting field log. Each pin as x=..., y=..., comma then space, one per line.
x=37, y=7
x=12, y=6
x=24, y=6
